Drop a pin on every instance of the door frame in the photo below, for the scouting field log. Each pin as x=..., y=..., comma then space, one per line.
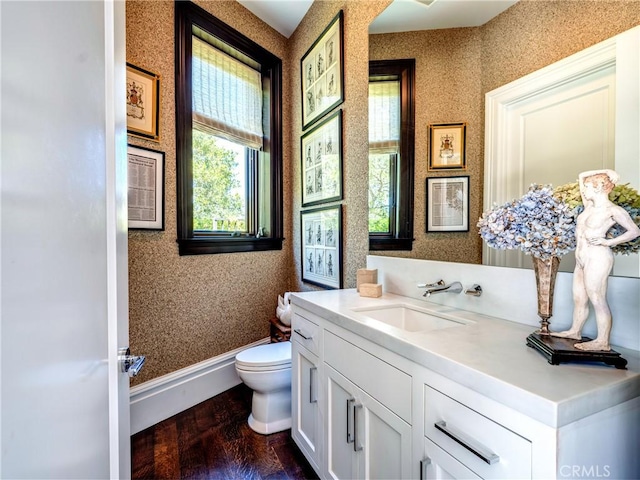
x=117, y=237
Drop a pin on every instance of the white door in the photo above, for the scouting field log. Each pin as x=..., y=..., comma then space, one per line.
x=556, y=134
x=578, y=114
x=64, y=241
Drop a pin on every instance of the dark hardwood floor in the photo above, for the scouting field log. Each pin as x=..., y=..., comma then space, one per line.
x=213, y=441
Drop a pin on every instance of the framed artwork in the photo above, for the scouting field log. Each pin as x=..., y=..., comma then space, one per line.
x=143, y=101
x=321, y=231
x=322, y=73
x=321, y=152
x=145, y=193
x=447, y=146
x=448, y=204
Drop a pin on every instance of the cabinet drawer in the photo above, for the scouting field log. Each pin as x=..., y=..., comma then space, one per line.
x=385, y=383
x=484, y=446
x=306, y=333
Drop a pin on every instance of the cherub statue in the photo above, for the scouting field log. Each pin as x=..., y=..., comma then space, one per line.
x=594, y=258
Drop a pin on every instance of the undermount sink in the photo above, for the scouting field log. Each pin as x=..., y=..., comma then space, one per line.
x=409, y=318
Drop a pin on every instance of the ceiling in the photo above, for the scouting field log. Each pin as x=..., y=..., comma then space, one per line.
x=411, y=15
x=283, y=15
x=400, y=16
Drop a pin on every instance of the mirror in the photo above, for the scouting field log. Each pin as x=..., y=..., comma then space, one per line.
x=500, y=68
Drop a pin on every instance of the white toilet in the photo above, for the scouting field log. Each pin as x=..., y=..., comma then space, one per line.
x=266, y=369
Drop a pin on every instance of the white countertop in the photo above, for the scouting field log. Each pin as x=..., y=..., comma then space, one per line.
x=489, y=356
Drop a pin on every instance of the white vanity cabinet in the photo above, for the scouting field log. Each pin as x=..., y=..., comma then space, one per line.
x=357, y=425
x=364, y=408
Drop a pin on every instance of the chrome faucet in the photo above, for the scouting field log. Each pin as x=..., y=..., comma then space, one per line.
x=440, y=287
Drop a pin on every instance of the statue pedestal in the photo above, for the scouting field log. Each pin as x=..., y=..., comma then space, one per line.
x=558, y=350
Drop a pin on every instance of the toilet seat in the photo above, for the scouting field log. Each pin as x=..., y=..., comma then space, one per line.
x=273, y=356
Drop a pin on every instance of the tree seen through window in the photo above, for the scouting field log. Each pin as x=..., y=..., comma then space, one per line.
x=219, y=199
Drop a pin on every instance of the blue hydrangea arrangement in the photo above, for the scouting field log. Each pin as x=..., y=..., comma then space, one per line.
x=538, y=224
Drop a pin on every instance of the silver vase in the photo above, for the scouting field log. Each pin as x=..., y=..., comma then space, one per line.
x=546, y=271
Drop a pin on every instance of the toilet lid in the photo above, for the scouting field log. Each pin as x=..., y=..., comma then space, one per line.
x=270, y=355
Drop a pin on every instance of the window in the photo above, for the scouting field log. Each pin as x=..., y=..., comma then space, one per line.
x=229, y=142
x=391, y=157
x=384, y=145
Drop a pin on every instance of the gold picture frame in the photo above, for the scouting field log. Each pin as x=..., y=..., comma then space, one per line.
x=143, y=103
x=447, y=146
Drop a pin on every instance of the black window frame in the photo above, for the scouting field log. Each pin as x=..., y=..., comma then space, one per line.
x=401, y=238
x=188, y=15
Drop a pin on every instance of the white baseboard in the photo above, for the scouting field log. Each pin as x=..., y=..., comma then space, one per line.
x=160, y=398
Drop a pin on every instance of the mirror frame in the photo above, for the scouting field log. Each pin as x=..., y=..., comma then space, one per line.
x=405, y=71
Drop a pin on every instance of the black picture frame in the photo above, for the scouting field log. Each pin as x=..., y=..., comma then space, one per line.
x=322, y=73
x=145, y=192
x=447, y=204
x=321, y=246
x=321, y=161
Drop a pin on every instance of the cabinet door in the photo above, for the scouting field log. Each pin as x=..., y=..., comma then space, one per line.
x=439, y=465
x=383, y=440
x=340, y=458
x=364, y=438
x=305, y=428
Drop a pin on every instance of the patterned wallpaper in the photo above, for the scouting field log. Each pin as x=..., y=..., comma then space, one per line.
x=184, y=310
x=357, y=17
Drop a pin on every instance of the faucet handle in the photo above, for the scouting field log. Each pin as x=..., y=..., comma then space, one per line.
x=474, y=291
x=439, y=283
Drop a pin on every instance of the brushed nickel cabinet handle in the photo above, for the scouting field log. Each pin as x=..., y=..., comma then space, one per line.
x=312, y=398
x=479, y=451
x=356, y=445
x=424, y=463
x=349, y=431
x=299, y=332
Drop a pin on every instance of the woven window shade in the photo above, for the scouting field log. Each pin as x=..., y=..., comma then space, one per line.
x=227, y=96
x=384, y=116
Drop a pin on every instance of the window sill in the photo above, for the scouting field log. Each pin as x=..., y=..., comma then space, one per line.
x=206, y=246
x=380, y=244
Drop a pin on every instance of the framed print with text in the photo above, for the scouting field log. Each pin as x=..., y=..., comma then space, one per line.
x=321, y=150
x=322, y=73
x=321, y=231
x=143, y=103
x=448, y=204
x=145, y=193
x=447, y=146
